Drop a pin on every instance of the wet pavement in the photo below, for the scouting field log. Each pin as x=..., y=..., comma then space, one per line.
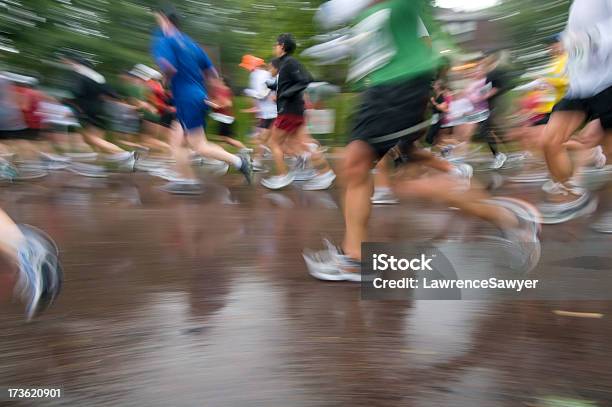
x=205, y=301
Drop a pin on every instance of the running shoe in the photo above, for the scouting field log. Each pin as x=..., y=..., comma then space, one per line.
x=557, y=188
x=555, y=213
x=258, y=166
x=88, y=170
x=30, y=170
x=8, y=171
x=604, y=224
x=598, y=157
x=330, y=264
x=40, y=271
x=166, y=174
x=384, y=197
x=278, y=181
x=320, y=182
x=304, y=174
x=246, y=168
x=526, y=236
x=500, y=160
x=82, y=156
x=122, y=156
x=184, y=187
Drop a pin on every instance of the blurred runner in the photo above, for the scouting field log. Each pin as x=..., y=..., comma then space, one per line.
x=187, y=65
x=222, y=98
x=289, y=132
x=396, y=68
x=588, y=41
x=89, y=93
x=264, y=101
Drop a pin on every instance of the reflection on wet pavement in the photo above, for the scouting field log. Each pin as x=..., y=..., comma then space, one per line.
x=191, y=301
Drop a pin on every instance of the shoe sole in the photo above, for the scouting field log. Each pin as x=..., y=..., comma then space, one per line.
x=587, y=210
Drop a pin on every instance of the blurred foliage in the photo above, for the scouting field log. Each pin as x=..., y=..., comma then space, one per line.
x=115, y=34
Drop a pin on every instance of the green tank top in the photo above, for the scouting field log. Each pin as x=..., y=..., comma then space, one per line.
x=387, y=46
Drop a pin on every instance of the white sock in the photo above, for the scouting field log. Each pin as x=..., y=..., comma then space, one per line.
x=382, y=190
x=236, y=162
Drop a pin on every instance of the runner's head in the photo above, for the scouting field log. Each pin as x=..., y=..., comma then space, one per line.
x=167, y=18
x=285, y=45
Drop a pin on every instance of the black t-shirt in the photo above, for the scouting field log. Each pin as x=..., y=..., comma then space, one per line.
x=498, y=78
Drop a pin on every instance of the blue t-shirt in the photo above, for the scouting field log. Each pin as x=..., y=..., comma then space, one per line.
x=180, y=53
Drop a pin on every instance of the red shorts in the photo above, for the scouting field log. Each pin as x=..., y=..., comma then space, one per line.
x=289, y=122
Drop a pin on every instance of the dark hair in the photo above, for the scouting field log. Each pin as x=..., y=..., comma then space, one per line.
x=275, y=63
x=287, y=42
x=169, y=11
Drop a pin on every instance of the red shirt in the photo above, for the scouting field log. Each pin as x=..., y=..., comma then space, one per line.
x=29, y=99
x=158, y=96
x=223, y=94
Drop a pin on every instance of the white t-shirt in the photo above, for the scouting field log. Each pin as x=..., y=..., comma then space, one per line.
x=259, y=91
x=590, y=72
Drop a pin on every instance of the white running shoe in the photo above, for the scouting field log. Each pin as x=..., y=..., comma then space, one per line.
x=304, y=175
x=330, y=265
x=553, y=214
x=384, y=197
x=320, y=182
x=526, y=236
x=599, y=158
x=278, y=181
x=557, y=188
x=166, y=174
x=500, y=160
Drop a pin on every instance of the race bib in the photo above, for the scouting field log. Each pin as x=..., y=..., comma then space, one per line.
x=372, y=45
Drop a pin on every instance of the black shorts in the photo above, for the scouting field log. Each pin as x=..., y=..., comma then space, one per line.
x=87, y=119
x=226, y=129
x=25, y=134
x=595, y=107
x=541, y=122
x=265, y=123
x=391, y=113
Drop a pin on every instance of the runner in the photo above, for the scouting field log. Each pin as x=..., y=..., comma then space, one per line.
x=587, y=39
x=221, y=97
x=89, y=89
x=497, y=79
x=289, y=132
x=396, y=71
x=187, y=66
x=264, y=101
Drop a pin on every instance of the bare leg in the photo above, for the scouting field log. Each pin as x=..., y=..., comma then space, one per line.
x=443, y=189
x=358, y=162
x=275, y=142
x=94, y=137
x=180, y=151
x=196, y=138
x=558, y=130
x=232, y=142
x=10, y=237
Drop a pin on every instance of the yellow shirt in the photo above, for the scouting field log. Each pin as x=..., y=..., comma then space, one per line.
x=558, y=80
